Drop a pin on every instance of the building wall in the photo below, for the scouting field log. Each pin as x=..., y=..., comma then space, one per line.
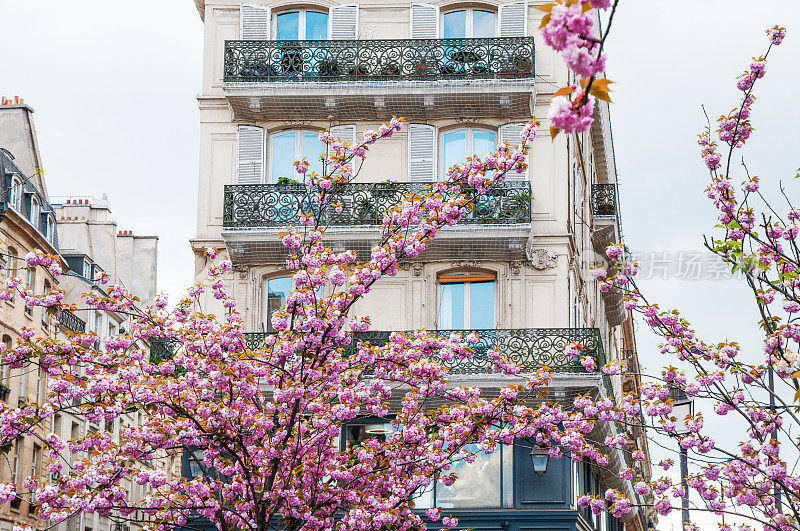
x=18, y=135
x=25, y=457
x=87, y=227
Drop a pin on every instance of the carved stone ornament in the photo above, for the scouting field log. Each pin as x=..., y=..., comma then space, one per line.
x=542, y=259
x=467, y=263
x=516, y=267
x=416, y=269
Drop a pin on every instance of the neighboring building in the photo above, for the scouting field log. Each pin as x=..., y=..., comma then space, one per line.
x=27, y=222
x=92, y=245
x=465, y=76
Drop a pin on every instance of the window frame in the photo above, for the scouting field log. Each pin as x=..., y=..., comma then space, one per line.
x=467, y=278
x=301, y=22
x=266, y=318
x=469, y=143
x=469, y=21
x=298, y=150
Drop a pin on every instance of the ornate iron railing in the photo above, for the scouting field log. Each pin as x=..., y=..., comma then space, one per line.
x=371, y=60
x=530, y=348
x=604, y=199
x=276, y=205
x=4, y=392
x=71, y=321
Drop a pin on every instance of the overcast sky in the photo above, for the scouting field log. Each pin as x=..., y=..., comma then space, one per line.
x=114, y=85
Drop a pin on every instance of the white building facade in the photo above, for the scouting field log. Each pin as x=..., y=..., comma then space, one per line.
x=465, y=76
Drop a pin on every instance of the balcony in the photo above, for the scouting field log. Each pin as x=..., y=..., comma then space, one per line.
x=253, y=214
x=604, y=199
x=370, y=79
x=71, y=322
x=530, y=348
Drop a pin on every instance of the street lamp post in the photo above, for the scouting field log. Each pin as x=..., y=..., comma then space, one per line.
x=682, y=408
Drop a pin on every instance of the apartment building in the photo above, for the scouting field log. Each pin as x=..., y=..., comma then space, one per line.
x=466, y=76
x=27, y=222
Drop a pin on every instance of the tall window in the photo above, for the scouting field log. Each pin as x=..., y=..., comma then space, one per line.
x=30, y=282
x=466, y=301
x=15, y=194
x=301, y=25
x=275, y=292
x=17, y=458
x=34, y=468
x=287, y=147
x=469, y=23
x=10, y=271
x=459, y=144
x=4, y=371
x=35, y=212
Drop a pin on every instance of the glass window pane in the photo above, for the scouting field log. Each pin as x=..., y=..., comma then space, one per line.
x=478, y=483
x=454, y=145
x=483, y=24
x=483, y=142
x=451, y=307
x=481, y=305
x=358, y=433
x=288, y=26
x=312, y=149
x=455, y=25
x=281, y=153
x=277, y=290
x=316, y=26
x=508, y=476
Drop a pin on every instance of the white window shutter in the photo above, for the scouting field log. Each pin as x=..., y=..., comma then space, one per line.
x=424, y=21
x=250, y=153
x=254, y=22
x=510, y=133
x=513, y=19
x=421, y=153
x=346, y=133
x=344, y=22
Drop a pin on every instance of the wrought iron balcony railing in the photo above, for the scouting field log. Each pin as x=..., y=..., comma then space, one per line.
x=71, y=322
x=378, y=60
x=278, y=205
x=530, y=348
x=604, y=199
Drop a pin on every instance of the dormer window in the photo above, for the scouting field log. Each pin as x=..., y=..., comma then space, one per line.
x=14, y=194
x=35, y=212
x=469, y=23
x=303, y=24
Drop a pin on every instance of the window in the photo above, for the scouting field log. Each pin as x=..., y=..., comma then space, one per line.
x=357, y=434
x=16, y=188
x=22, y=381
x=486, y=482
x=466, y=301
x=7, y=344
x=98, y=324
x=301, y=25
x=289, y=146
x=45, y=314
x=30, y=282
x=275, y=293
x=10, y=271
x=16, y=468
x=34, y=467
x=40, y=381
x=35, y=212
x=469, y=23
x=459, y=144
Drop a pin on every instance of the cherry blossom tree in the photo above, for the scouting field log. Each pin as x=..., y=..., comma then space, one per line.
x=752, y=477
x=261, y=422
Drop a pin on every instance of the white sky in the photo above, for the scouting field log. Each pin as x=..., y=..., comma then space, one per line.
x=114, y=85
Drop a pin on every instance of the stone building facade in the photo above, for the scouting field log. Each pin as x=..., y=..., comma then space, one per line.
x=27, y=221
x=466, y=76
